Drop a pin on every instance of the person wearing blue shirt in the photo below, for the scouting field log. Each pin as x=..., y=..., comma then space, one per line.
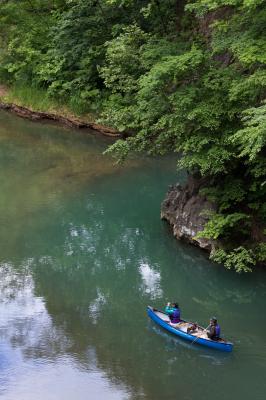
x=174, y=312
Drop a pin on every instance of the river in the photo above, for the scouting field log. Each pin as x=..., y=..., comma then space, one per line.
x=83, y=252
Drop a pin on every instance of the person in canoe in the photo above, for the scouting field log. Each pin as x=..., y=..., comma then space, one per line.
x=174, y=312
x=214, y=329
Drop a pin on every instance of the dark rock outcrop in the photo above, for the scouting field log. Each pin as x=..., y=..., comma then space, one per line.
x=184, y=208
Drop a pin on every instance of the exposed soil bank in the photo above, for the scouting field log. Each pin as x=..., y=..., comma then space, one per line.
x=25, y=112
x=185, y=210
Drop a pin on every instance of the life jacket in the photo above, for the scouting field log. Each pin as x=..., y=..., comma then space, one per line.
x=217, y=331
x=175, y=317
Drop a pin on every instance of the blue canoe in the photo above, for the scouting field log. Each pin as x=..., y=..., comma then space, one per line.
x=180, y=329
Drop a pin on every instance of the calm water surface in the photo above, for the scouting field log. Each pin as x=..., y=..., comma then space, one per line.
x=83, y=251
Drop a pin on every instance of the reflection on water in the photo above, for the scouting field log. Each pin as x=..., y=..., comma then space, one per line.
x=83, y=252
x=96, y=306
x=36, y=354
x=151, y=281
x=24, y=321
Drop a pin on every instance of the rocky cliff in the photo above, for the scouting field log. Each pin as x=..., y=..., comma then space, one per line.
x=185, y=210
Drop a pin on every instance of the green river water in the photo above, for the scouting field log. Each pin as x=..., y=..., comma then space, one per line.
x=83, y=252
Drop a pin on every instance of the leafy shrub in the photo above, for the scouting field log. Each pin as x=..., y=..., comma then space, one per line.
x=239, y=259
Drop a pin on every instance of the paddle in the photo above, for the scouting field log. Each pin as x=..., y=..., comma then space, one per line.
x=198, y=337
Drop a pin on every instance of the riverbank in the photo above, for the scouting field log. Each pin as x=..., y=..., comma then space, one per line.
x=60, y=114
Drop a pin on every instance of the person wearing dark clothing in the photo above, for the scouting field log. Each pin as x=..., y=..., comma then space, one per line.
x=173, y=312
x=214, y=329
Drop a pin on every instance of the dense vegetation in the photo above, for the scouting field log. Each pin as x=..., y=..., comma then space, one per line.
x=182, y=76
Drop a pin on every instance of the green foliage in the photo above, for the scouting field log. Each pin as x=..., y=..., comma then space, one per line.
x=124, y=60
x=252, y=138
x=261, y=252
x=78, y=105
x=23, y=37
x=231, y=192
x=32, y=97
x=220, y=225
x=239, y=259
